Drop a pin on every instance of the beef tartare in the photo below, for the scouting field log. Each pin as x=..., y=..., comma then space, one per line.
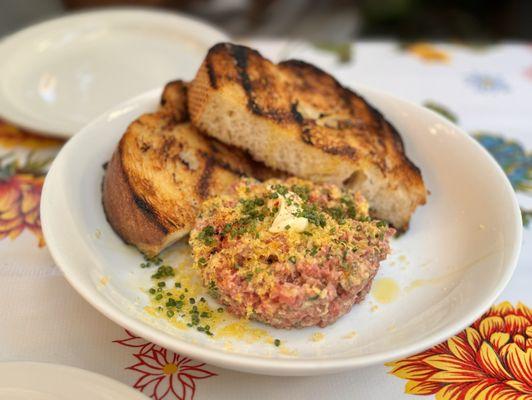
x=288, y=253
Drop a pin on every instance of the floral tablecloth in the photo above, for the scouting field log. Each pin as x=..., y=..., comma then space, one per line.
x=486, y=89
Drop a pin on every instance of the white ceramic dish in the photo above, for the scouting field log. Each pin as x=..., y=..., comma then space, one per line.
x=40, y=381
x=449, y=268
x=58, y=75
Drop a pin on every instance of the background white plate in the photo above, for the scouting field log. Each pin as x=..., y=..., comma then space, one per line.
x=39, y=381
x=451, y=265
x=58, y=75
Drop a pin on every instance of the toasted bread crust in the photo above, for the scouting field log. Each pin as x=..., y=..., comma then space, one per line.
x=132, y=219
x=174, y=100
x=297, y=118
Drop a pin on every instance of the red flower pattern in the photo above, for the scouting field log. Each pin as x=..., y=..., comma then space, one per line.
x=163, y=373
x=134, y=341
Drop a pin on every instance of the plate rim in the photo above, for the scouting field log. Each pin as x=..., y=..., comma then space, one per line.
x=30, y=124
x=278, y=366
x=62, y=368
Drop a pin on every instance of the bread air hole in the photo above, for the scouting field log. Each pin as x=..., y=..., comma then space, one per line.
x=356, y=180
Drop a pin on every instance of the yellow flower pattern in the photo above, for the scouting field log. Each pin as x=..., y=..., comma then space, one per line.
x=492, y=359
x=20, y=198
x=428, y=52
x=11, y=136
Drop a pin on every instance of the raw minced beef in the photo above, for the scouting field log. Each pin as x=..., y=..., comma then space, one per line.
x=288, y=253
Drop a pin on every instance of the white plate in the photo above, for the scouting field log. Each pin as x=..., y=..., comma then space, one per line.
x=58, y=75
x=39, y=381
x=450, y=267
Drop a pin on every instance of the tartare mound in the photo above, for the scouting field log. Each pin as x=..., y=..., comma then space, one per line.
x=288, y=253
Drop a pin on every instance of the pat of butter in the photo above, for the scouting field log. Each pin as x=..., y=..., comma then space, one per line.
x=285, y=217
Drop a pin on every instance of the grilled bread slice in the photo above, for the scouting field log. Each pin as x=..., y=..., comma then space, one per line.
x=294, y=117
x=174, y=100
x=161, y=171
